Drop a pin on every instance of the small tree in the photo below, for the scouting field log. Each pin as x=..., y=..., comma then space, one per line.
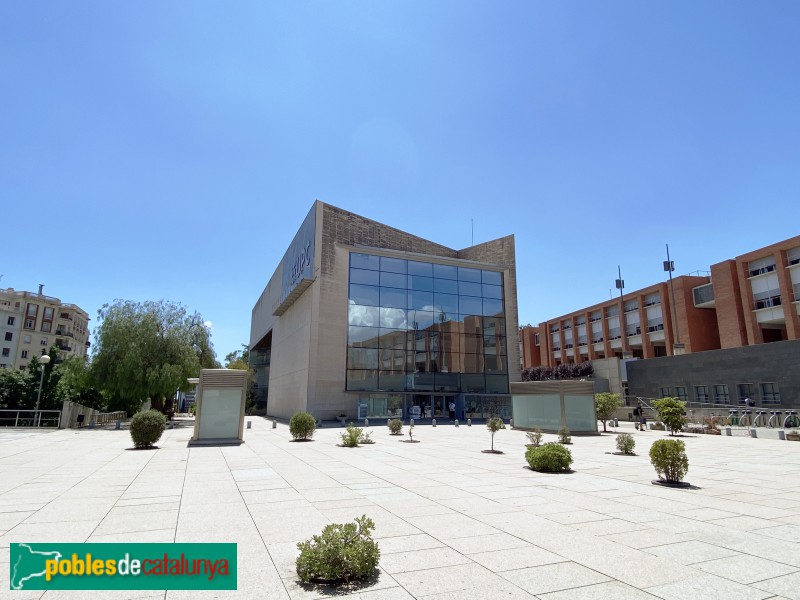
x=354, y=436
x=494, y=425
x=564, y=436
x=302, y=426
x=671, y=412
x=605, y=403
x=535, y=437
x=669, y=459
x=396, y=426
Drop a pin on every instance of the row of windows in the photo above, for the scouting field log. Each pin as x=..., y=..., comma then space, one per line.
x=435, y=300
x=423, y=269
x=769, y=393
x=477, y=383
x=411, y=361
x=428, y=284
x=489, y=334
x=401, y=318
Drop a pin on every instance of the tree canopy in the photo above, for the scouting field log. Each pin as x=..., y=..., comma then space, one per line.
x=148, y=350
x=605, y=403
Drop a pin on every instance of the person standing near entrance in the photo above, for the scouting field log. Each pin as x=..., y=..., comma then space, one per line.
x=452, y=410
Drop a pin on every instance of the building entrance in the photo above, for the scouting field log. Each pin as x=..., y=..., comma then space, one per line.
x=430, y=406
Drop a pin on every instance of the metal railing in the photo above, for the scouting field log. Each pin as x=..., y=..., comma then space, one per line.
x=30, y=418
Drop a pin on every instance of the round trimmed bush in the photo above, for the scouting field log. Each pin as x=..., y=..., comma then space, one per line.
x=625, y=443
x=302, y=426
x=147, y=427
x=396, y=426
x=669, y=459
x=549, y=458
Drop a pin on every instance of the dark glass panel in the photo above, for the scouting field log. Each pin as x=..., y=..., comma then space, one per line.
x=393, y=298
x=492, y=277
x=492, y=307
x=492, y=291
x=366, y=337
x=445, y=286
x=465, y=274
x=466, y=288
x=416, y=282
x=392, y=361
x=497, y=384
x=445, y=271
x=446, y=303
x=364, y=261
x=446, y=382
x=392, y=338
x=494, y=326
x=392, y=382
x=472, y=363
x=420, y=268
x=421, y=381
x=420, y=300
x=467, y=305
x=473, y=383
x=366, y=295
x=472, y=324
x=471, y=344
x=362, y=358
x=393, y=265
x=362, y=380
x=394, y=280
x=364, y=277
x=496, y=364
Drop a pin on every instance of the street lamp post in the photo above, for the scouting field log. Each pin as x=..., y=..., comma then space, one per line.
x=43, y=359
x=677, y=347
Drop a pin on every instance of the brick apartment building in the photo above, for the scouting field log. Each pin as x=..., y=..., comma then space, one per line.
x=748, y=300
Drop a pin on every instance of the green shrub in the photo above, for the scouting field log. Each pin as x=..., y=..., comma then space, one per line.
x=625, y=443
x=353, y=436
x=672, y=412
x=302, y=426
x=563, y=436
x=147, y=427
x=535, y=437
x=341, y=553
x=669, y=459
x=549, y=458
x=605, y=403
x=396, y=426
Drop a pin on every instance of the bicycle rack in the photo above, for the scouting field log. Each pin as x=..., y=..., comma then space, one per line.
x=760, y=420
x=745, y=421
x=775, y=418
x=791, y=419
x=733, y=417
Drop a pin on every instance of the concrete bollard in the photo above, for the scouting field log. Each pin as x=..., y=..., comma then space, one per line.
x=616, y=422
x=118, y=424
x=727, y=430
x=433, y=422
x=249, y=424
x=366, y=422
x=753, y=432
x=781, y=434
x=411, y=422
x=274, y=423
x=456, y=422
x=511, y=423
x=469, y=422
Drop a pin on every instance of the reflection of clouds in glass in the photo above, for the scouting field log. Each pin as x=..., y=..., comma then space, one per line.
x=393, y=318
x=365, y=316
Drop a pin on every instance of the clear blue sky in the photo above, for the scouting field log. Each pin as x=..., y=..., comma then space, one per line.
x=171, y=149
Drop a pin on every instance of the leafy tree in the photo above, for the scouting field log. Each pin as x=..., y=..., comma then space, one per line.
x=52, y=375
x=148, y=350
x=605, y=403
x=76, y=384
x=240, y=359
x=494, y=425
x=672, y=412
x=15, y=389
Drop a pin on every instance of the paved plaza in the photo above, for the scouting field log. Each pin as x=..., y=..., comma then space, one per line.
x=451, y=522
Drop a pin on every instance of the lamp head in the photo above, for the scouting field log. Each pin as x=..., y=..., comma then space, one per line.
x=44, y=359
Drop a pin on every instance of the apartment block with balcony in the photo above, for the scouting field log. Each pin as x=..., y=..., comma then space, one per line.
x=757, y=295
x=748, y=300
x=640, y=324
x=31, y=322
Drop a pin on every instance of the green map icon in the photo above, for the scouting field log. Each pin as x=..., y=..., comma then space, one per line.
x=28, y=564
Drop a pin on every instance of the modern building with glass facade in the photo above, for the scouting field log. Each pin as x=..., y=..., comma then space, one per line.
x=365, y=320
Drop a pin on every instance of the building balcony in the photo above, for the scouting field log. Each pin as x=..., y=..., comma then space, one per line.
x=761, y=271
x=703, y=296
x=770, y=302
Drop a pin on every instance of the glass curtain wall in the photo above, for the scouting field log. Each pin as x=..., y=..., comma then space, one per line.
x=420, y=326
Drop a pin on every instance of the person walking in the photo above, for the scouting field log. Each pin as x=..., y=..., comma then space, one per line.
x=452, y=410
x=638, y=413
